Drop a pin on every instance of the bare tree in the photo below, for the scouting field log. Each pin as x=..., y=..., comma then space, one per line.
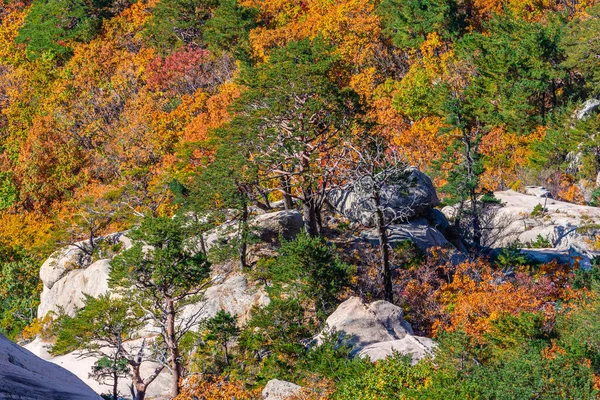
x=369, y=172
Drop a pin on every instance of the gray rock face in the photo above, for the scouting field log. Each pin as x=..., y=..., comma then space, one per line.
x=279, y=390
x=287, y=223
x=414, y=199
x=420, y=232
x=375, y=330
x=568, y=230
x=24, y=376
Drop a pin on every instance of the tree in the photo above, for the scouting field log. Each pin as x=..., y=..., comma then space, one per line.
x=19, y=289
x=52, y=24
x=581, y=46
x=178, y=22
x=106, y=370
x=294, y=114
x=410, y=22
x=222, y=328
x=102, y=329
x=164, y=275
x=229, y=29
x=372, y=169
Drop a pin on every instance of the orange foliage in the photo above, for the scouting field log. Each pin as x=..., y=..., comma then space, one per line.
x=505, y=154
x=351, y=25
x=424, y=141
x=215, y=388
x=477, y=296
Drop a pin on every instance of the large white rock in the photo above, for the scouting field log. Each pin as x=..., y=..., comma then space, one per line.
x=234, y=295
x=588, y=108
x=364, y=324
x=413, y=199
x=280, y=390
x=375, y=330
x=418, y=231
x=417, y=347
x=24, y=376
x=67, y=294
x=81, y=367
x=71, y=258
x=570, y=229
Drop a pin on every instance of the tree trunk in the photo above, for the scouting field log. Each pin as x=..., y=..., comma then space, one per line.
x=173, y=346
x=384, y=251
x=287, y=198
x=115, y=383
x=138, y=383
x=243, y=236
x=309, y=215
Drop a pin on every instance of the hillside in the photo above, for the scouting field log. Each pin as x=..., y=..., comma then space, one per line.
x=341, y=199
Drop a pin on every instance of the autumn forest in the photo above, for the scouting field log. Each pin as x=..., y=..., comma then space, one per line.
x=176, y=119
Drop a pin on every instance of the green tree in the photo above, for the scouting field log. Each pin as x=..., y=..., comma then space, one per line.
x=222, y=328
x=102, y=329
x=581, y=45
x=176, y=23
x=517, y=75
x=20, y=288
x=165, y=275
x=52, y=25
x=229, y=29
x=409, y=22
x=310, y=270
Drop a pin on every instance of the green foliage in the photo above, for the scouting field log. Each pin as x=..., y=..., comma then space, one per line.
x=489, y=198
x=51, y=25
x=511, y=256
x=229, y=28
x=20, y=289
x=310, y=270
x=176, y=23
x=105, y=369
x=391, y=378
x=222, y=328
x=8, y=190
x=540, y=242
x=103, y=320
x=159, y=260
x=407, y=255
x=582, y=47
x=587, y=278
x=517, y=72
x=278, y=330
x=537, y=210
x=409, y=22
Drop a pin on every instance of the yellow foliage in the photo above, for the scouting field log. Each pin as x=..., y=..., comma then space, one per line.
x=351, y=25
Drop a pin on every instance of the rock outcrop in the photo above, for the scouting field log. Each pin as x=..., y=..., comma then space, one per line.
x=410, y=200
x=285, y=223
x=545, y=229
x=67, y=293
x=24, y=376
x=280, y=390
x=417, y=347
x=375, y=330
x=420, y=232
x=234, y=295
